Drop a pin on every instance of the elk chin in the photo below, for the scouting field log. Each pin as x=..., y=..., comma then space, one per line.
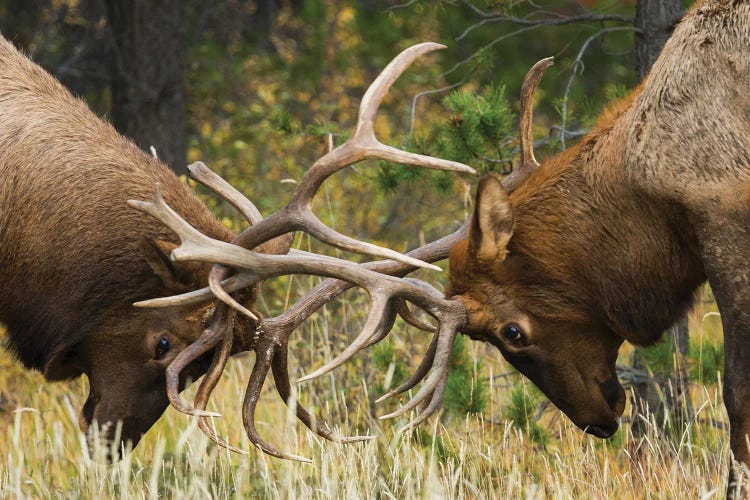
x=602, y=432
x=108, y=443
x=612, y=405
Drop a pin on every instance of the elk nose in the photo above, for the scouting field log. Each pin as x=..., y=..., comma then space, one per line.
x=614, y=394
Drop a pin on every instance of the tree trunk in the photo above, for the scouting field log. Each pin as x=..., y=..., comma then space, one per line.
x=656, y=20
x=148, y=98
x=21, y=20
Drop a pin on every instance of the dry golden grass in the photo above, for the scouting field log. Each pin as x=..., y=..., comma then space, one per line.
x=44, y=455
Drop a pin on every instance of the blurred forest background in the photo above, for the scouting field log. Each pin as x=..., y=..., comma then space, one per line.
x=256, y=89
x=253, y=88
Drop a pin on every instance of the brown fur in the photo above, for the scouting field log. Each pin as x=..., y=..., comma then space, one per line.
x=74, y=257
x=610, y=238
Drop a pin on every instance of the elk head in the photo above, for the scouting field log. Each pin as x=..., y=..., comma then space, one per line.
x=518, y=299
x=513, y=301
x=126, y=363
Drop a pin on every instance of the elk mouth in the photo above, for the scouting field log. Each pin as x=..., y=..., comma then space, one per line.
x=602, y=431
x=614, y=397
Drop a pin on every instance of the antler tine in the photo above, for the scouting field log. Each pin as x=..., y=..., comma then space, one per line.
x=214, y=283
x=374, y=326
x=207, y=340
x=201, y=173
x=264, y=357
x=530, y=83
x=418, y=375
x=368, y=107
x=526, y=137
x=403, y=310
x=310, y=224
x=236, y=282
x=389, y=319
x=283, y=387
x=208, y=384
x=434, y=386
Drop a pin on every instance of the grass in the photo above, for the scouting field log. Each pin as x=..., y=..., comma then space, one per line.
x=479, y=455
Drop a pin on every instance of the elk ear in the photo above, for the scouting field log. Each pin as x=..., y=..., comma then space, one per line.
x=157, y=254
x=63, y=365
x=492, y=223
x=175, y=276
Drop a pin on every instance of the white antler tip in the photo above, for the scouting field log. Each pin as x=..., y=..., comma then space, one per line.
x=389, y=416
x=202, y=413
x=196, y=166
x=384, y=397
x=307, y=377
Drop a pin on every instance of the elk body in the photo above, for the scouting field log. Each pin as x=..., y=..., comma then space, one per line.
x=74, y=257
x=608, y=241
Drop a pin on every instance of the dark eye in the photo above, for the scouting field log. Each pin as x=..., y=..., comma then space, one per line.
x=162, y=348
x=512, y=333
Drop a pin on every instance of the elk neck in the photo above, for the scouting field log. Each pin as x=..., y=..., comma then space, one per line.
x=611, y=253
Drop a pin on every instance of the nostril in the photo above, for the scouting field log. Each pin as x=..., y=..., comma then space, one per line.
x=613, y=392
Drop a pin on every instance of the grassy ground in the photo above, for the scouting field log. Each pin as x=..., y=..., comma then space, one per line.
x=44, y=455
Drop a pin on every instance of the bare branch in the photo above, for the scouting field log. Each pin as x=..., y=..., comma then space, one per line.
x=578, y=67
x=422, y=94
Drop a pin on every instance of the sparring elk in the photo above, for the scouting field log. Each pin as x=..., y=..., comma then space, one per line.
x=562, y=262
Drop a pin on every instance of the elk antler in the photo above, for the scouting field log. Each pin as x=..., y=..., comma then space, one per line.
x=382, y=280
x=526, y=138
x=270, y=339
x=432, y=252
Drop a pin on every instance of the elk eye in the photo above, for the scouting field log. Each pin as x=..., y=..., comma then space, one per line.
x=162, y=347
x=512, y=333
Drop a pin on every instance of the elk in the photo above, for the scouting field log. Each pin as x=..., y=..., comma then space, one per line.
x=73, y=258
x=561, y=262
x=608, y=241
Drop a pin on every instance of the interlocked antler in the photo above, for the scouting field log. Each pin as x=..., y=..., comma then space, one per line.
x=384, y=281
x=271, y=349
